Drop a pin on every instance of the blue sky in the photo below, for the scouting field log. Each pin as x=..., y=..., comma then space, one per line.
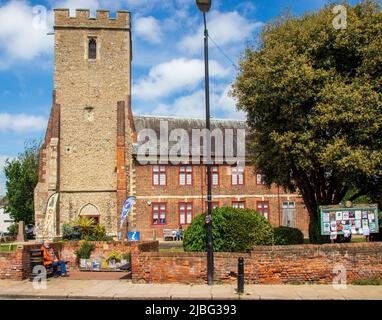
x=167, y=69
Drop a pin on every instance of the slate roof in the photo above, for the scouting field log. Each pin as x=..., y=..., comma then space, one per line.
x=188, y=124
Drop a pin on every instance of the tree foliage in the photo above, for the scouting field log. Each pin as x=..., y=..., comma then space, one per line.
x=21, y=176
x=233, y=230
x=313, y=98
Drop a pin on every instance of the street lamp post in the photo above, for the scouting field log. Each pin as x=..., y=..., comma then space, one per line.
x=204, y=6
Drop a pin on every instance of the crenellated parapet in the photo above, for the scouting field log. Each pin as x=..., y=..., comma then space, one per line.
x=62, y=19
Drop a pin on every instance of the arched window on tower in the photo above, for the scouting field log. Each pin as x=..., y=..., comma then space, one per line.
x=92, y=48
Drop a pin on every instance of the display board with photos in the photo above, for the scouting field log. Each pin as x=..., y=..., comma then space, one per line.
x=359, y=219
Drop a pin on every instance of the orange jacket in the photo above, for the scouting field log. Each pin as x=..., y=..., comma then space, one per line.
x=47, y=257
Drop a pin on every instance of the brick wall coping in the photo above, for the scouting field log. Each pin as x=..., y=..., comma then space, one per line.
x=322, y=247
x=350, y=247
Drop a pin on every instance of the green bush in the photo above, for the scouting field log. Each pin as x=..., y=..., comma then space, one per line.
x=85, y=229
x=233, y=230
x=13, y=229
x=287, y=236
x=84, y=251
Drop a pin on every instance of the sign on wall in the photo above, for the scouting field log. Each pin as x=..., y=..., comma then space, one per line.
x=358, y=219
x=134, y=236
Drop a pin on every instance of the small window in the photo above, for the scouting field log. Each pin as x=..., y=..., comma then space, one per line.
x=237, y=175
x=92, y=49
x=260, y=179
x=214, y=205
x=238, y=204
x=185, y=212
x=289, y=214
x=263, y=208
x=159, y=175
x=159, y=211
x=185, y=176
x=214, y=176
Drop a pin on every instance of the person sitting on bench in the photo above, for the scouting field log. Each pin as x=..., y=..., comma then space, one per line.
x=51, y=258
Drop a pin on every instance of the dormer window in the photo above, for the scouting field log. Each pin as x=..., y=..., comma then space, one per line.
x=92, y=52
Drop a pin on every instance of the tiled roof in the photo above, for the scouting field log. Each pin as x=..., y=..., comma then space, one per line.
x=187, y=124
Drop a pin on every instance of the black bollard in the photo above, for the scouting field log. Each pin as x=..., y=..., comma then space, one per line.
x=240, y=275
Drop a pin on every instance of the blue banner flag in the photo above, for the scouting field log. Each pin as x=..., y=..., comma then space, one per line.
x=126, y=209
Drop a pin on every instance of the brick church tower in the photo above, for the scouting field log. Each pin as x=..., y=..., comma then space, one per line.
x=84, y=162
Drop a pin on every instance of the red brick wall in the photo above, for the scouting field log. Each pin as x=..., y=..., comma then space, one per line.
x=277, y=264
x=14, y=265
x=172, y=194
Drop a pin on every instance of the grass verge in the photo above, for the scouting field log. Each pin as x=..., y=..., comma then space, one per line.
x=367, y=282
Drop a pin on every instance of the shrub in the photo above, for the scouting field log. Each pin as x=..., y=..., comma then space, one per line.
x=71, y=232
x=13, y=229
x=126, y=256
x=114, y=255
x=87, y=226
x=84, y=251
x=233, y=230
x=85, y=229
x=98, y=233
x=287, y=235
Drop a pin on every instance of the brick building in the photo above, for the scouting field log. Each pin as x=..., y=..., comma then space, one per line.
x=90, y=157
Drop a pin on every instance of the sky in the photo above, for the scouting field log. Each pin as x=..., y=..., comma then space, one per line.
x=167, y=67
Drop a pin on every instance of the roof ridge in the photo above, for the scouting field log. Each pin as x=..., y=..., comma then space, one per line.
x=186, y=118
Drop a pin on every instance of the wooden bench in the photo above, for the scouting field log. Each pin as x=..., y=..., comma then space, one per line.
x=169, y=233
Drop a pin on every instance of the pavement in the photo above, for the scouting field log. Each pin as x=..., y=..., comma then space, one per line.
x=60, y=288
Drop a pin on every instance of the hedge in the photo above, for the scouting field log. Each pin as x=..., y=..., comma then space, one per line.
x=287, y=236
x=234, y=230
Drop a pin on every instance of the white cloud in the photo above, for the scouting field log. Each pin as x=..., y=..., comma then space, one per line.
x=72, y=5
x=173, y=76
x=3, y=158
x=22, y=33
x=21, y=123
x=224, y=28
x=193, y=105
x=148, y=28
x=2, y=186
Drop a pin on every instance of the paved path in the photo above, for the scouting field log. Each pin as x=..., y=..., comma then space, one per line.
x=124, y=289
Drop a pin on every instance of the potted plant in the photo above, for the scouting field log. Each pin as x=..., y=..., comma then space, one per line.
x=126, y=261
x=126, y=258
x=83, y=253
x=113, y=258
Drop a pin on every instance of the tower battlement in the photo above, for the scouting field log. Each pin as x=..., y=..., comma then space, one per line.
x=62, y=19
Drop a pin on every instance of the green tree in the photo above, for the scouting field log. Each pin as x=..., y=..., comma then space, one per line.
x=313, y=98
x=21, y=178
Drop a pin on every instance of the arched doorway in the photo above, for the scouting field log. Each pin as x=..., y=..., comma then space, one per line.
x=90, y=211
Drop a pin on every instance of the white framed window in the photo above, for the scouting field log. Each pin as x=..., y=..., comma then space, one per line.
x=159, y=213
x=289, y=214
x=237, y=175
x=159, y=175
x=263, y=208
x=214, y=175
x=238, y=204
x=185, y=212
x=185, y=175
x=259, y=179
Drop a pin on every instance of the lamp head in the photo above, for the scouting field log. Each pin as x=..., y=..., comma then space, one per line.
x=203, y=5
